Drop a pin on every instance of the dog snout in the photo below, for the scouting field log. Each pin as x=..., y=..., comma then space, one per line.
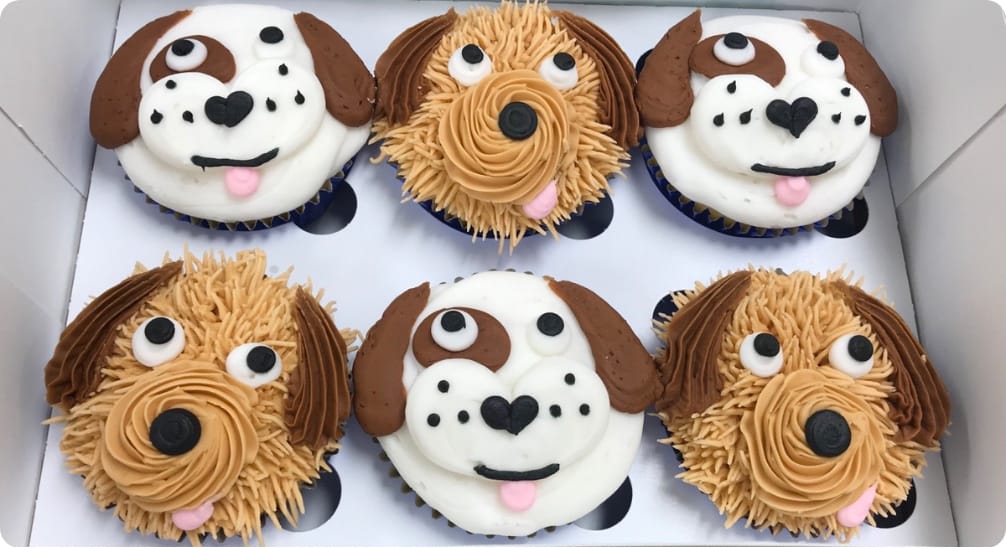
x=827, y=433
x=793, y=117
x=231, y=110
x=518, y=121
x=513, y=417
x=175, y=432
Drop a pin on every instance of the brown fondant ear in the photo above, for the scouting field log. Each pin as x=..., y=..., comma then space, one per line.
x=318, y=401
x=619, y=358
x=115, y=101
x=616, y=101
x=919, y=404
x=74, y=371
x=664, y=93
x=378, y=395
x=862, y=71
x=689, y=373
x=401, y=86
x=349, y=86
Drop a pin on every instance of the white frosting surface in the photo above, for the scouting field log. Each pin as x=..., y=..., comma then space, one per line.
x=711, y=164
x=312, y=145
x=437, y=457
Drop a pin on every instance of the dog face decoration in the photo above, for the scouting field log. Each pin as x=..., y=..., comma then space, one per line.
x=185, y=386
x=818, y=397
x=508, y=120
x=769, y=122
x=507, y=401
x=234, y=114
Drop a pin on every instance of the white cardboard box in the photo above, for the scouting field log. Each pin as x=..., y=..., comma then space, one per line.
x=73, y=227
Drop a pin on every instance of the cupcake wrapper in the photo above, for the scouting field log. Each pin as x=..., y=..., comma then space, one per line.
x=711, y=218
x=302, y=215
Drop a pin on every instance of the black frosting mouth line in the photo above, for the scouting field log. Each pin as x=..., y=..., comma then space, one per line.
x=794, y=172
x=509, y=475
x=205, y=162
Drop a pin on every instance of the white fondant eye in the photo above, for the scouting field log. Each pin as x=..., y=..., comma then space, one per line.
x=560, y=71
x=823, y=60
x=761, y=354
x=734, y=49
x=185, y=54
x=158, y=340
x=548, y=335
x=254, y=364
x=469, y=64
x=455, y=330
x=852, y=355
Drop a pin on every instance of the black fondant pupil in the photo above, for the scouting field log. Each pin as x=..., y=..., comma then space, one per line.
x=550, y=324
x=564, y=61
x=766, y=345
x=735, y=40
x=463, y=416
x=433, y=420
x=175, y=432
x=182, y=47
x=472, y=54
x=443, y=386
x=570, y=379
x=159, y=330
x=261, y=359
x=452, y=321
x=584, y=409
x=555, y=411
x=860, y=348
x=271, y=35
x=828, y=50
x=827, y=433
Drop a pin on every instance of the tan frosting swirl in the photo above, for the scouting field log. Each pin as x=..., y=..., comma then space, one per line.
x=786, y=474
x=228, y=442
x=486, y=164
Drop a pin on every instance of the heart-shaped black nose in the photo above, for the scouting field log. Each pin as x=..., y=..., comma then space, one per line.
x=518, y=121
x=827, y=433
x=230, y=111
x=175, y=432
x=795, y=117
x=510, y=416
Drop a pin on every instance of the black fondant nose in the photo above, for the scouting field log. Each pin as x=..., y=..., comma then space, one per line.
x=793, y=117
x=513, y=416
x=230, y=111
x=827, y=433
x=175, y=432
x=518, y=121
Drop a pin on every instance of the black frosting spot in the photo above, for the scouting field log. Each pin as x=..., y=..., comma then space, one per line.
x=564, y=61
x=860, y=119
x=443, y=386
x=746, y=117
x=156, y=117
x=860, y=348
x=271, y=105
x=550, y=324
x=766, y=345
x=463, y=416
x=584, y=409
x=828, y=50
x=570, y=379
x=846, y=91
x=299, y=98
x=284, y=70
x=555, y=411
x=170, y=84
x=735, y=40
x=452, y=321
x=718, y=120
x=433, y=420
x=732, y=87
x=472, y=54
x=187, y=116
x=836, y=117
x=271, y=35
x=182, y=47
x=261, y=359
x=159, y=330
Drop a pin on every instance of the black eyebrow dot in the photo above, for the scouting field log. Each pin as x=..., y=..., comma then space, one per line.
x=836, y=117
x=299, y=99
x=718, y=119
x=170, y=84
x=270, y=104
x=443, y=386
x=846, y=92
x=746, y=117
x=732, y=87
x=284, y=70
x=860, y=119
x=156, y=117
x=187, y=116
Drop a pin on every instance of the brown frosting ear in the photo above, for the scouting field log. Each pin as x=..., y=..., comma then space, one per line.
x=318, y=400
x=689, y=372
x=379, y=396
x=664, y=93
x=616, y=101
x=115, y=101
x=401, y=86
x=74, y=371
x=349, y=86
x=920, y=406
x=863, y=72
x=619, y=358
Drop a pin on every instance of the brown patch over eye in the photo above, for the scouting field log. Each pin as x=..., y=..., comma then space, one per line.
x=219, y=62
x=767, y=64
x=491, y=347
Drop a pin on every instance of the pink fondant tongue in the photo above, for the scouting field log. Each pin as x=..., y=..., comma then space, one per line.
x=792, y=191
x=187, y=520
x=518, y=495
x=543, y=203
x=854, y=514
x=241, y=181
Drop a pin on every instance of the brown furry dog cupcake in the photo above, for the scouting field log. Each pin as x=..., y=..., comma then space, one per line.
x=508, y=120
x=796, y=401
x=200, y=396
